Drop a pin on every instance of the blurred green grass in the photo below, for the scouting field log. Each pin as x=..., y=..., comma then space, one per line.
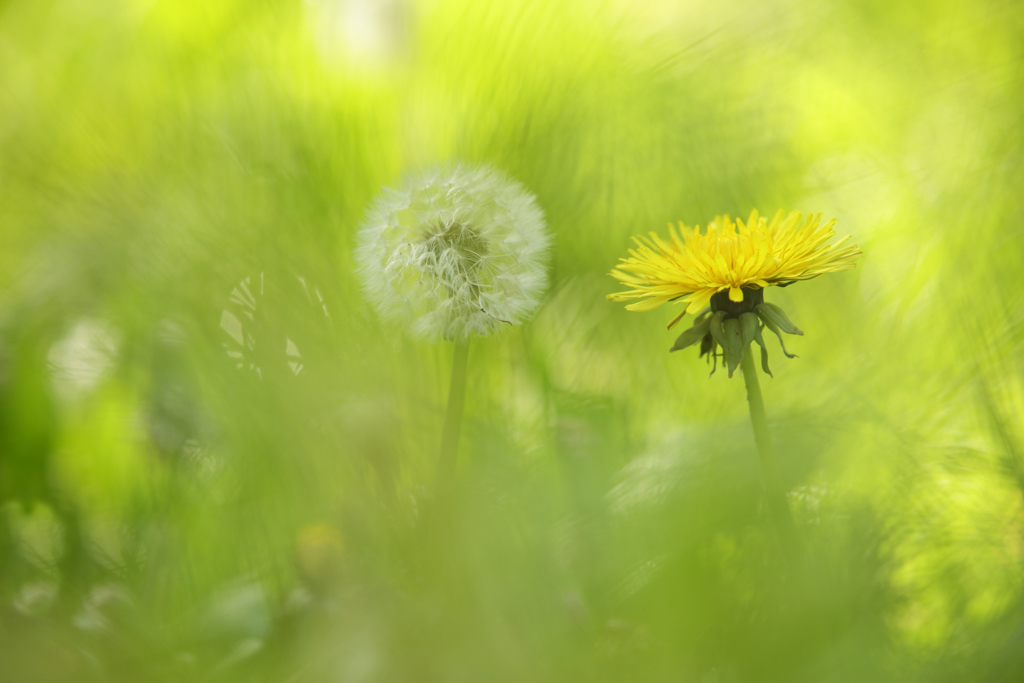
x=167, y=168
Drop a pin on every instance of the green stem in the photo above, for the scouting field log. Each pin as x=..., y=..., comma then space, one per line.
x=453, y=415
x=777, y=502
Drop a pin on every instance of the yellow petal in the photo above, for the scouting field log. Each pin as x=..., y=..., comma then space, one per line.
x=698, y=300
x=646, y=304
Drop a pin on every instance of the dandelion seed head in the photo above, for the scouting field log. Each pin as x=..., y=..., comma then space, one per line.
x=455, y=251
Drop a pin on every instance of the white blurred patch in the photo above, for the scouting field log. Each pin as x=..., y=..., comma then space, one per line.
x=35, y=597
x=808, y=501
x=646, y=481
x=79, y=361
x=639, y=576
x=101, y=599
x=361, y=659
x=238, y=610
x=364, y=34
x=204, y=463
x=292, y=351
x=232, y=326
x=242, y=316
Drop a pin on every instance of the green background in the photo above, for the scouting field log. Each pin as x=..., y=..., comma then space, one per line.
x=217, y=464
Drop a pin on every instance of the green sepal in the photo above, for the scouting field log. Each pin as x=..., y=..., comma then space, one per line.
x=778, y=333
x=768, y=311
x=716, y=329
x=675, y=320
x=759, y=338
x=709, y=347
x=692, y=335
x=733, y=346
x=748, y=327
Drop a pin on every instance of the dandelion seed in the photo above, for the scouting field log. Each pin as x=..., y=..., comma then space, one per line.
x=455, y=252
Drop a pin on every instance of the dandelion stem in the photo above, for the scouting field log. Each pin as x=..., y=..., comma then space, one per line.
x=453, y=415
x=777, y=502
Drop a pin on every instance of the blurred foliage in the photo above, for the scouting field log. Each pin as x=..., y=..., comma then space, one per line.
x=216, y=464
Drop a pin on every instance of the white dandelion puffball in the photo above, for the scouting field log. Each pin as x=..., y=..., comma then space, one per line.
x=456, y=251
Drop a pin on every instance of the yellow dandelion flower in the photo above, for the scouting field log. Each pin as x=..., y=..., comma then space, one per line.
x=692, y=267
x=721, y=274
